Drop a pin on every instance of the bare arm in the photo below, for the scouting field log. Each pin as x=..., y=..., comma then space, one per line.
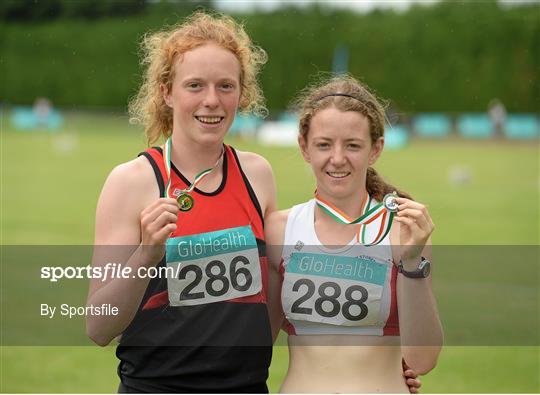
x=275, y=235
x=420, y=326
x=261, y=177
x=132, y=224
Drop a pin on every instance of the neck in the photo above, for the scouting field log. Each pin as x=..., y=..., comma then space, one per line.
x=351, y=205
x=192, y=158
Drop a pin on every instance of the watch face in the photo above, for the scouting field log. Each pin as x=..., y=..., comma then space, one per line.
x=426, y=268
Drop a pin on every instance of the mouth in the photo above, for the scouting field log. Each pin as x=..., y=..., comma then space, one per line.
x=338, y=174
x=209, y=120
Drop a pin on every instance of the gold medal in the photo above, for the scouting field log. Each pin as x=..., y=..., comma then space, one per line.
x=185, y=201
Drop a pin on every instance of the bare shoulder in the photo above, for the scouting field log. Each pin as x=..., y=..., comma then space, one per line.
x=133, y=174
x=277, y=220
x=253, y=163
x=129, y=188
x=133, y=182
x=261, y=177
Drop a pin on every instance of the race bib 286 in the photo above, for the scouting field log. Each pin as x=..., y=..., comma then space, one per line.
x=213, y=266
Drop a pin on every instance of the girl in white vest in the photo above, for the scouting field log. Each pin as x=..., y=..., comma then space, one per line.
x=354, y=262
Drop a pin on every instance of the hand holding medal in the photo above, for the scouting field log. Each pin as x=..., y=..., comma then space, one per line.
x=158, y=221
x=416, y=227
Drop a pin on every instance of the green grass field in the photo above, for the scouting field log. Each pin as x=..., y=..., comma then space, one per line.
x=51, y=182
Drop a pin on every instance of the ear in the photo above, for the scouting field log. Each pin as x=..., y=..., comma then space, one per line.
x=376, y=150
x=166, y=94
x=303, y=148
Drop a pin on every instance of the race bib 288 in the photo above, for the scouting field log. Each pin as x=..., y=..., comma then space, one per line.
x=333, y=289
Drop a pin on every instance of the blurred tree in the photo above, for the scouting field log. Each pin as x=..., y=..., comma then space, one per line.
x=42, y=10
x=30, y=10
x=452, y=56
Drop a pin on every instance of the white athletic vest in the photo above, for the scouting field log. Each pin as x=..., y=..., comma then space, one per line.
x=350, y=289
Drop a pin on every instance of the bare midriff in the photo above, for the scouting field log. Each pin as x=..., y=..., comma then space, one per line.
x=344, y=364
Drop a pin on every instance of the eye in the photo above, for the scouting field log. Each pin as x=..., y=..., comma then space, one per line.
x=354, y=146
x=193, y=85
x=322, y=145
x=227, y=86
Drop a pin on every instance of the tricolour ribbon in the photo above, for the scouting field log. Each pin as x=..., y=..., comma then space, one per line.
x=369, y=214
x=198, y=178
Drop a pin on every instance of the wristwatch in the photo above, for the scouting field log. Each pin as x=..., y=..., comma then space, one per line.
x=422, y=271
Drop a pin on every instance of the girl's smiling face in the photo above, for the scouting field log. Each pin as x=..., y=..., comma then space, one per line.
x=339, y=148
x=205, y=93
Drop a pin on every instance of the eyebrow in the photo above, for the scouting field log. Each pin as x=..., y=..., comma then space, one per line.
x=197, y=78
x=354, y=139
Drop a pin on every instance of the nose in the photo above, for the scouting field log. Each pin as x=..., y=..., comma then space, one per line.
x=338, y=157
x=211, y=98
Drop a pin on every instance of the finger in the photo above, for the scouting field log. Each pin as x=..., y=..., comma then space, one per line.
x=165, y=218
x=423, y=222
x=409, y=203
x=418, y=235
x=150, y=215
x=418, y=207
x=157, y=203
x=410, y=373
x=411, y=223
x=164, y=233
x=410, y=212
x=150, y=228
x=158, y=234
x=419, y=217
x=406, y=203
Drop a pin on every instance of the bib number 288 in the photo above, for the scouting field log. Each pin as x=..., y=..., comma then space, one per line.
x=327, y=304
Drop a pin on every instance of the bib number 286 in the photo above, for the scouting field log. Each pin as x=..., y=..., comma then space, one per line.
x=218, y=279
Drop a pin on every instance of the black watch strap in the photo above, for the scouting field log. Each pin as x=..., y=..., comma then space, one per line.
x=422, y=271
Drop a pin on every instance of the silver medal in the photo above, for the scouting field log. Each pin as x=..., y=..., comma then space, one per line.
x=389, y=201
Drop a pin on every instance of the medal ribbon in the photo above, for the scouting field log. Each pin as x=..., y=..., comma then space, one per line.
x=368, y=216
x=198, y=178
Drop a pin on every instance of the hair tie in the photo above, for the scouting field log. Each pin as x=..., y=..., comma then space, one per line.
x=339, y=94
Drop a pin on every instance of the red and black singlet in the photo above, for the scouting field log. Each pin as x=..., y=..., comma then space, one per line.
x=210, y=347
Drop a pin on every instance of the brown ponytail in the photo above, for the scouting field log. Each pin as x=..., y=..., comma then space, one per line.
x=347, y=94
x=377, y=187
